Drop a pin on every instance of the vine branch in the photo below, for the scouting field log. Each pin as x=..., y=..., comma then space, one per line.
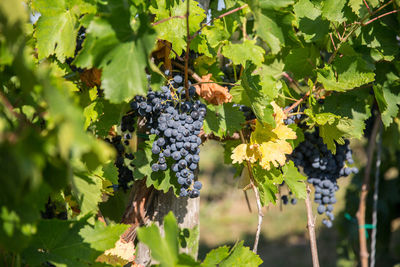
x=257, y=194
x=311, y=229
x=166, y=19
x=364, y=193
x=380, y=16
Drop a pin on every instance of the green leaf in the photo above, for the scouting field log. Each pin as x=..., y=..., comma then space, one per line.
x=294, y=180
x=358, y=7
x=215, y=256
x=241, y=256
x=110, y=172
x=346, y=73
x=310, y=21
x=302, y=61
x=246, y=51
x=216, y=34
x=274, y=27
x=164, y=250
x=87, y=191
x=333, y=10
x=250, y=93
x=174, y=30
x=102, y=237
x=122, y=61
x=355, y=106
x=59, y=243
x=387, y=92
x=330, y=126
x=267, y=183
x=223, y=120
x=56, y=29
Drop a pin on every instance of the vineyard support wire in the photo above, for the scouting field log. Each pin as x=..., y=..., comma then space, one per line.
x=364, y=193
x=311, y=229
x=257, y=194
x=375, y=198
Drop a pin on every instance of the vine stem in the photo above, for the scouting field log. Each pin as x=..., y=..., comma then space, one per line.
x=380, y=16
x=295, y=104
x=364, y=193
x=188, y=39
x=376, y=192
x=311, y=229
x=166, y=19
x=257, y=194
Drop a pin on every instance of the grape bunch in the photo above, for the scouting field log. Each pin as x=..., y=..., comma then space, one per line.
x=125, y=174
x=176, y=122
x=323, y=169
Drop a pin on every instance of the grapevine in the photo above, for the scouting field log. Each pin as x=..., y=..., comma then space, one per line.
x=115, y=115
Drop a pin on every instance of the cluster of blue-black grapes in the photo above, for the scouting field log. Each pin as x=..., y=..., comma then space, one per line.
x=176, y=122
x=125, y=174
x=323, y=169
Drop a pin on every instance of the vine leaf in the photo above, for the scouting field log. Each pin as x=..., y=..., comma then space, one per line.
x=310, y=21
x=163, y=249
x=273, y=26
x=122, y=61
x=330, y=126
x=246, y=51
x=387, y=92
x=250, y=93
x=87, y=191
x=102, y=237
x=346, y=73
x=301, y=61
x=333, y=10
x=354, y=107
x=295, y=180
x=59, y=242
x=223, y=120
x=174, y=30
x=241, y=256
x=268, y=144
x=267, y=183
x=215, y=256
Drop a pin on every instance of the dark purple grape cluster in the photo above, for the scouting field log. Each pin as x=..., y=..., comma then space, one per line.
x=323, y=169
x=125, y=175
x=176, y=122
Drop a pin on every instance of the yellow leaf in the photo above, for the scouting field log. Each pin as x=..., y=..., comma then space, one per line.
x=268, y=144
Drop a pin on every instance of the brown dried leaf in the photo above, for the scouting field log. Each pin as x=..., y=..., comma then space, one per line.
x=91, y=77
x=213, y=92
